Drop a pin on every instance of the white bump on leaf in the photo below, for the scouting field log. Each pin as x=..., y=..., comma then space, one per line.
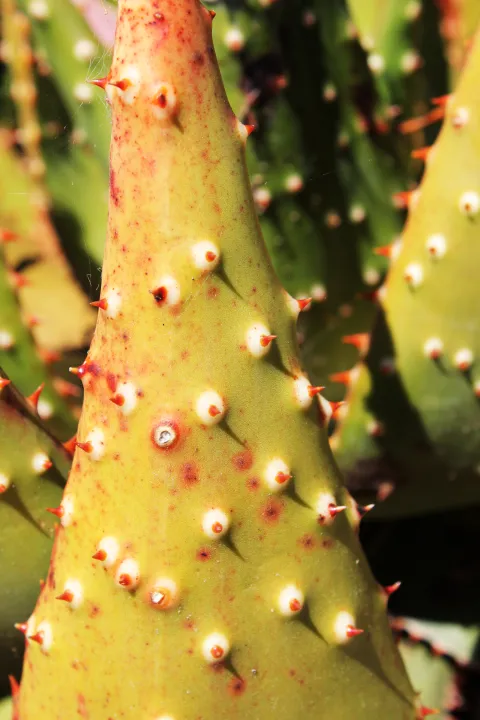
x=291, y=601
x=210, y=407
x=44, y=409
x=206, y=255
x=39, y=9
x=96, y=438
x=164, y=435
x=433, y=348
x=255, y=339
x=167, y=291
x=301, y=389
x=469, y=203
x=463, y=359
x=114, y=301
x=376, y=63
x=262, y=197
x=76, y=589
x=460, y=117
x=47, y=636
x=293, y=183
x=165, y=101
x=5, y=482
x=215, y=648
x=436, y=245
x=40, y=463
x=128, y=392
x=83, y=93
x=215, y=523
x=6, y=340
x=413, y=274
x=318, y=293
x=234, y=39
x=128, y=574
x=164, y=593
x=342, y=623
x=131, y=81
x=110, y=548
x=67, y=506
x=277, y=475
x=84, y=50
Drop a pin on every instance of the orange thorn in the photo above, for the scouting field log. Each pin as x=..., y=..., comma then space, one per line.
x=67, y=595
x=79, y=371
x=7, y=235
x=58, y=511
x=47, y=464
x=3, y=487
x=250, y=129
x=424, y=712
x=353, y=631
x=102, y=304
x=210, y=256
x=14, y=686
x=100, y=555
x=358, y=340
x=69, y=445
x=214, y=411
x=32, y=321
x=335, y=406
x=415, y=124
x=390, y=589
x=212, y=13
x=23, y=627
x=334, y=510
x=315, y=389
x=421, y=153
x=402, y=199
x=4, y=382
x=384, y=250
x=41, y=583
x=441, y=100
x=35, y=396
x=125, y=580
x=265, y=340
x=341, y=377
x=38, y=637
x=85, y=446
x=121, y=84
x=282, y=477
x=304, y=303
x=100, y=82
x=118, y=399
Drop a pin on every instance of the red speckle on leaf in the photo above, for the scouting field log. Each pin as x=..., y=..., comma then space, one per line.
x=328, y=543
x=111, y=381
x=189, y=474
x=272, y=510
x=81, y=708
x=204, y=554
x=307, y=541
x=115, y=192
x=212, y=292
x=243, y=460
x=236, y=686
x=253, y=483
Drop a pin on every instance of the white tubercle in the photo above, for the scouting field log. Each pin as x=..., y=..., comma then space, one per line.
x=40, y=463
x=109, y=548
x=164, y=593
x=127, y=394
x=128, y=574
x=293, y=183
x=436, y=245
x=376, y=63
x=75, y=589
x=262, y=197
x=96, y=438
x=258, y=340
x=164, y=102
x=45, y=629
x=413, y=274
x=324, y=506
x=302, y=389
x=277, y=475
x=469, y=203
x=44, y=409
x=215, y=648
x=210, y=407
x=6, y=340
x=164, y=435
x=114, y=302
x=83, y=93
x=5, y=483
x=84, y=49
x=215, y=523
x=234, y=39
x=67, y=506
x=433, y=348
x=167, y=291
x=206, y=255
x=129, y=85
x=343, y=624
x=463, y=359
x=460, y=117
x=39, y=9
x=290, y=601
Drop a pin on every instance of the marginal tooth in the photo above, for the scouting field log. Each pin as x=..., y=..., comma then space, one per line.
x=304, y=391
x=65, y=510
x=94, y=445
x=72, y=593
x=127, y=87
x=290, y=601
x=210, y=407
x=128, y=574
x=43, y=636
x=259, y=340
x=125, y=397
x=327, y=508
x=215, y=648
x=41, y=463
x=344, y=628
x=277, y=475
x=205, y=255
x=215, y=523
x=107, y=551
